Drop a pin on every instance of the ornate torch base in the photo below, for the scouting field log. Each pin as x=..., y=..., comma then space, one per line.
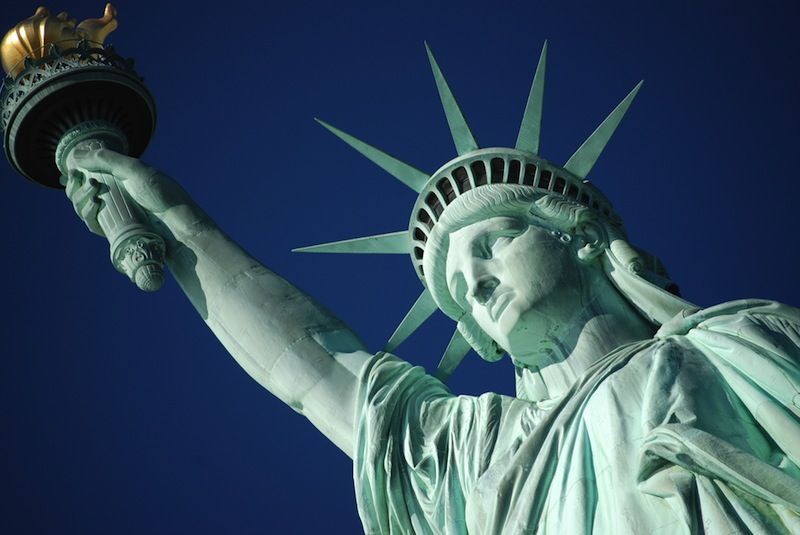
x=135, y=250
x=85, y=96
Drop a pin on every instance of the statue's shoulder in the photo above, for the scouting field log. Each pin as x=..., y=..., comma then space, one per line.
x=751, y=336
x=734, y=315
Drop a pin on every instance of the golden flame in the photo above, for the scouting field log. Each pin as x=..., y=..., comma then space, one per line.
x=32, y=37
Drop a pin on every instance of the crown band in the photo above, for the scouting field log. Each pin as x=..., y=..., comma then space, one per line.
x=495, y=166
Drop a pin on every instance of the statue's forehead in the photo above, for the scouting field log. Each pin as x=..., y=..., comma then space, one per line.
x=469, y=233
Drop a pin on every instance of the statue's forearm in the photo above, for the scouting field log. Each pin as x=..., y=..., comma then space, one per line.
x=280, y=336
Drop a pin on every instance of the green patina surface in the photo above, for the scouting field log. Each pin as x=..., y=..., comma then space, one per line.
x=636, y=412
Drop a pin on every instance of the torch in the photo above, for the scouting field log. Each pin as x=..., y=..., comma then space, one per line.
x=65, y=90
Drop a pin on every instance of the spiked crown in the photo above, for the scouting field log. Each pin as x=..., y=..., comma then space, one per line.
x=473, y=168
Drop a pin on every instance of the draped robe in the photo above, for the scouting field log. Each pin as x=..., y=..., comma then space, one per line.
x=696, y=430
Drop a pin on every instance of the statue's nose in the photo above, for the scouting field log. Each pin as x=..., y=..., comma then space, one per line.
x=479, y=274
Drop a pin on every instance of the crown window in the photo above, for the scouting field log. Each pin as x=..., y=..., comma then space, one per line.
x=530, y=174
x=544, y=179
x=446, y=189
x=433, y=201
x=425, y=218
x=479, y=172
x=513, y=172
x=462, y=179
x=497, y=166
x=572, y=191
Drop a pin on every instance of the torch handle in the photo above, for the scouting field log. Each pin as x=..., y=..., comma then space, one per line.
x=136, y=250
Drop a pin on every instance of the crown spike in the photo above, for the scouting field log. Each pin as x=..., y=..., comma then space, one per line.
x=585, y=157
x=392, y=243
x=456, y=350
x=529, y=131
x=420, y=311
x=459, y=129
x=405, y=173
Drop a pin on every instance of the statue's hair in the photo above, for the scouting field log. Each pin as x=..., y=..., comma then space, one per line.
x=552, y=211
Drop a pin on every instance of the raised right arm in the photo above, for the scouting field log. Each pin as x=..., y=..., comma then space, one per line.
x=285, y=340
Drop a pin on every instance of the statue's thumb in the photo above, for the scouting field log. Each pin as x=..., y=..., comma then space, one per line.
x=87, y=161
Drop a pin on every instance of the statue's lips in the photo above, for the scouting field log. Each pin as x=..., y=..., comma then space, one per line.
x=499, y=304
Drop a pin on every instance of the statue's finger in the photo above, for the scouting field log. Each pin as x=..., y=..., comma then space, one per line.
x=74, y=181
x=83, y=196
x=147, y=186
x=80, y=199
x=89, y=212
x=108, y=161
x=83, y=192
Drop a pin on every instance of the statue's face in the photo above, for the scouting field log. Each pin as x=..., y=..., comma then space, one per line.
x=519, y=282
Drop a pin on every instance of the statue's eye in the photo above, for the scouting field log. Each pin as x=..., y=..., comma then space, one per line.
x=501, y=241
x=497, y=240
x=493, y=240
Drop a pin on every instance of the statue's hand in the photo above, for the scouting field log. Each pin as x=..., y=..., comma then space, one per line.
x=84, y=191
x=148, y=187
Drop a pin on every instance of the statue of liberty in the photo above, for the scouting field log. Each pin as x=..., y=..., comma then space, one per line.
x=635, y=411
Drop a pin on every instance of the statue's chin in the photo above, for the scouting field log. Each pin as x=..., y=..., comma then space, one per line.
x=524, y=333
x=524, y=330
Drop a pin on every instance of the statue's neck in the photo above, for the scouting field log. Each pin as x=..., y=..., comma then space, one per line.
x=607, y=323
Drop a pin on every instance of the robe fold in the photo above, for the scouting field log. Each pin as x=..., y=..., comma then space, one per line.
x=696, y=430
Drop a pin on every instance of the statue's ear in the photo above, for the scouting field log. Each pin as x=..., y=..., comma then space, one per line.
x=592, y=241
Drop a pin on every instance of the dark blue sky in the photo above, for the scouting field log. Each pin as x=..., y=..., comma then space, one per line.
x=120, y=412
